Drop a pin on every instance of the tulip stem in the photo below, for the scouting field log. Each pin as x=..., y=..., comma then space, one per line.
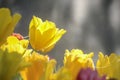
x=26, y=37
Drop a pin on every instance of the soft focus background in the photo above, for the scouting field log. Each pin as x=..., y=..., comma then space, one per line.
x=92, y=25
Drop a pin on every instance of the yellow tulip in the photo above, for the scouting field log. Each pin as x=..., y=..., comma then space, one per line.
x=62, y=74
x=7, y=23
x=109, y=65
x=40, y=69
x=76, y=60
x=43, y=35
x=10, y=64
x=13, y=44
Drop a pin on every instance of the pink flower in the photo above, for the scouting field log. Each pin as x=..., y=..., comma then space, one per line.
x=89, y=74
x=18, y=36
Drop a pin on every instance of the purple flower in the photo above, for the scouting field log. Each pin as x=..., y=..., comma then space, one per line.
x=89, y=74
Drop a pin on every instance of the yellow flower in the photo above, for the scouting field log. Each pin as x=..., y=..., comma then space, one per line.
x=40, y=69
x=109, y=65
x=15, y=45
x=76, y=59
x=43, y=35
x=10, y=64
x=62, y=74
x=7, y=23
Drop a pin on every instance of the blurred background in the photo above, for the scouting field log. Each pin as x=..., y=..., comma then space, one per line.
x=92, y=25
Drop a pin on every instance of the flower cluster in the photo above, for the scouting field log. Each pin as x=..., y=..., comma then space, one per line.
x=18, y=61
